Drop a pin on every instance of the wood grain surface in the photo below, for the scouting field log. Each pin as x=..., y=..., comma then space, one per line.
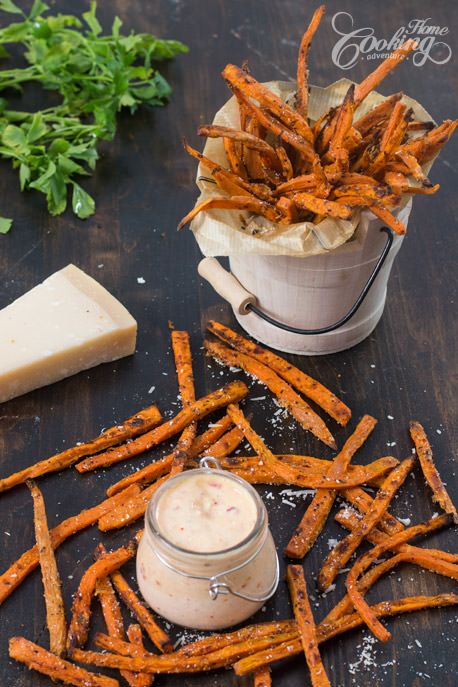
x=144, y=184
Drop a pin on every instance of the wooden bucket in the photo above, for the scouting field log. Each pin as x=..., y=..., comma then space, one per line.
x=315, y=292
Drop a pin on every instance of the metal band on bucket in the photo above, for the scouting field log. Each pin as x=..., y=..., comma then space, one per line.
x=350, y=313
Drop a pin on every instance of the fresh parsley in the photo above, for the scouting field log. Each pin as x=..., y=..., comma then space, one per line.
x=96, y=75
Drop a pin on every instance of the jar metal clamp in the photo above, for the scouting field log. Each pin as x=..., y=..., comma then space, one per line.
x=216, y=585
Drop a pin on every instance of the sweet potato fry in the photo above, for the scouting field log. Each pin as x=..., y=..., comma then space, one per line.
x=382, y=213
x=430, y=472
x=392, y=140
x=288, y=209
x=207, y=645
x=227, y=185
x=390, y=131
x=386, y=609
x=350, y=520
x=18, y=571
x=272, y=124
x=160, y=467
x=359, y=201
x=235, y=76
x=56, y=668
x=291, y=374
x=376, y=116
x=324, y=135
x=400, y=184
x=414, y=167
x=262, y=677
x=362, y=501
x=426, y=146
x=285, y=395
x=365, y=561
x=316, y=514
x=321, y=206
x=343, y=551
x=422, y=557
x=181, y=452
x=134, y=633
x=137, y=608
x=352, y=140
x=344, y=120
x=321, y=122
x=302, y=95
x=308, y=477
x=362, y=156
x=137, y=424
x=415, y=125
x=231, y=393
x=244, y=137
x=234, y=157
x=134, y=508
x=306, y=624
x=183, y=362
x=378, y=192
x=141, y=613
x=396, y=181
x=426, y=557
x=347, y=622
x=253, y=189
x=218, y=641
x=286, y=472
x=55, y=611
x=175, y=662
x=285, y=162
x=81, y=609
x=337, y=169
x=146, y=475
x=243, y=203
x=121, y=647
x=113, y=620
x=110, y=608
x=303, y=182
x=308, y=466
x=226, y=444
x=373, y=80
x=251, y=158
x=355, y=178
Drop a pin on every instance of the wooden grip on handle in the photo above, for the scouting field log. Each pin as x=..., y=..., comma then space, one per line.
x=226, y=285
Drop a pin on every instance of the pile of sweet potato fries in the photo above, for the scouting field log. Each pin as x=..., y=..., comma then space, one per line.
x=284, y=167
x=253, y=648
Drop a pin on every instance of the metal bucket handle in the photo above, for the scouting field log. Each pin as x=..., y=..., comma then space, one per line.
x=229, y=288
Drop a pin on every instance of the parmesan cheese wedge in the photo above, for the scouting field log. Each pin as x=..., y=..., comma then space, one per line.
x=66, y=324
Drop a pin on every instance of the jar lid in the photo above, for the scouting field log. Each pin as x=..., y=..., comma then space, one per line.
x=203, y=524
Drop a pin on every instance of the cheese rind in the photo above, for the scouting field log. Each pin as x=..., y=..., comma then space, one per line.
x=64, y=325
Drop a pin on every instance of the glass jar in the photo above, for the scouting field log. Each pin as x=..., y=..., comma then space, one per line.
x=206, y=589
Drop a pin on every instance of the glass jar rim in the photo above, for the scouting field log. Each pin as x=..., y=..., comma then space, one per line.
x=152, y=524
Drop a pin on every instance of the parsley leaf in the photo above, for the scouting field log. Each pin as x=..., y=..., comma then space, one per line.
x=96, y=75
x=5, y=225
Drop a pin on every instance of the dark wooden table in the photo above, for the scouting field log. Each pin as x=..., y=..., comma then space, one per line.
x=143, y=184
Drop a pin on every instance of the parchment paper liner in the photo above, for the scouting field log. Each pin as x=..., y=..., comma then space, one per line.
x=224, y=232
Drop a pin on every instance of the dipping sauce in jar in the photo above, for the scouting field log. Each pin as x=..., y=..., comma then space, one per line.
x=206, y=559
